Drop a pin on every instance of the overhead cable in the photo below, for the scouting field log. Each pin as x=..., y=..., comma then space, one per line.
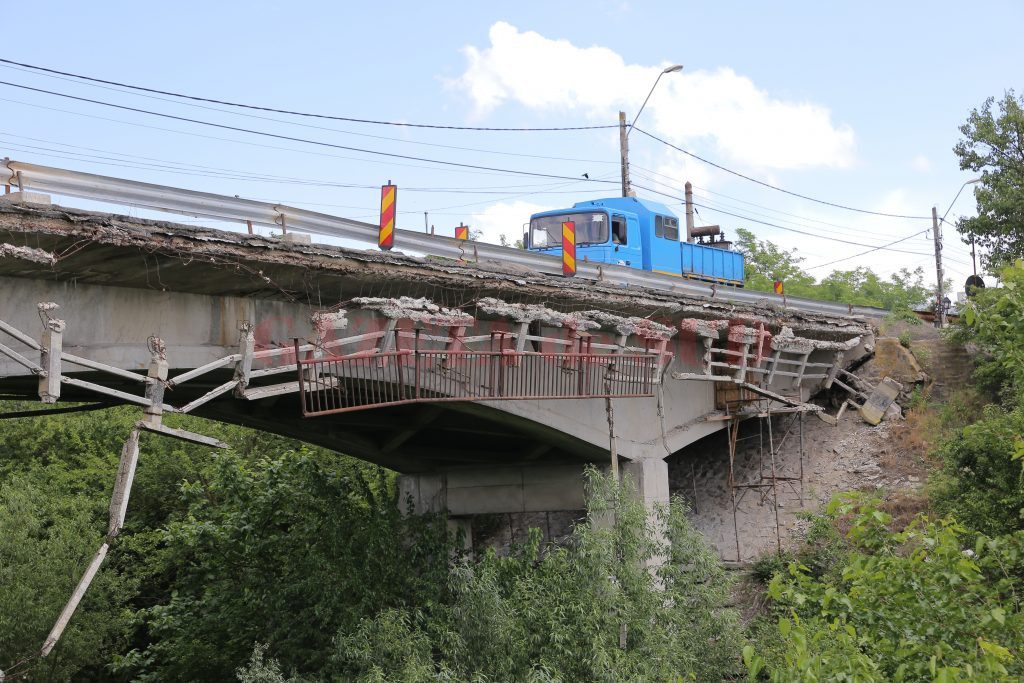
x=873, y=249
x=299, y=113
x=776, y=225
x=315, y=127
x=293, y=138
x=775, y=187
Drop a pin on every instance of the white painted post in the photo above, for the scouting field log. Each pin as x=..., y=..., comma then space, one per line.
x=49, y=358
x=246, y=347
x=156, y=383
x=123, y=484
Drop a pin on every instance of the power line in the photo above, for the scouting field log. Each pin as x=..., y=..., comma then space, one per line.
x=781, y=227
x=775, y=187
x=292, y=138
x=249, y=143
x=298, y=113
x=315, y=127
x=185, y=168
x=807, y=222
x=884, y=246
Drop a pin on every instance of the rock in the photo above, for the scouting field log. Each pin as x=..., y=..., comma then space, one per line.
x=893, y=412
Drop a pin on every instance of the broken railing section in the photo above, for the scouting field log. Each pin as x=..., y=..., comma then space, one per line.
x=409, y=365
x=50, y=370
x=753, y=354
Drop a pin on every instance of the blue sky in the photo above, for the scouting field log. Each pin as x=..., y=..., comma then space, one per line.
x=854, y=103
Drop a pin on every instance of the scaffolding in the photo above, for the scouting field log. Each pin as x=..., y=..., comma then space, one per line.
x=767, y=481
x=742, y=362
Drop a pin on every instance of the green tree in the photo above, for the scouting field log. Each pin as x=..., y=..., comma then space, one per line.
x=589, y=610
x=286, y=551
x=994, y=322
x=993, y=145
x=767, y=262
x=46, y=541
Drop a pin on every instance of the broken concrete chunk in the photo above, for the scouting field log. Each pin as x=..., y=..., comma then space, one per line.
x=880, y=400
x=418, y=310
x=26, y=253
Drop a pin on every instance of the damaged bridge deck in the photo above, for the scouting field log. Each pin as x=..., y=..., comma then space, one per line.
x=120, y=281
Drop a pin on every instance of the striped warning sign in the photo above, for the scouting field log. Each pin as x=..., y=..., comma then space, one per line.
x=462, y=232
x=569, y=248
x=388, y=202
x=778, y=287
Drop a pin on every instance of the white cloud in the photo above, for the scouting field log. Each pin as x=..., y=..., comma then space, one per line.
x=504, y=218
x=921, y=163
x=744, y=122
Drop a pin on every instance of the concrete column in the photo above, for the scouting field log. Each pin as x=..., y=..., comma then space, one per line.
x=650, y=476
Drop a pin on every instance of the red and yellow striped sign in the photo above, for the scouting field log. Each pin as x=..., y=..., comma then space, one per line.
x=388, y=202
x=568, y=248
x=778, y=287
x=462, y=232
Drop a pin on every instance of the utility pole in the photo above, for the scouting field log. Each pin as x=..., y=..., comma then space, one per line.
x=940, y=311
x=624, y=154
x=689, y=211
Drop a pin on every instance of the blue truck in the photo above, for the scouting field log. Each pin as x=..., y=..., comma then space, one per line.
x=638, y=233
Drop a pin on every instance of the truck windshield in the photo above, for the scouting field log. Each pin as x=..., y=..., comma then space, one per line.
x=546, y=231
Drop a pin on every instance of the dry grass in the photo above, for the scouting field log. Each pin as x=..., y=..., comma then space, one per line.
x=904, y=506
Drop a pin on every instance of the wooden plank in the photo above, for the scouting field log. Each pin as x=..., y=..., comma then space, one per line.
x=20, y=359
x=203, y=369
x=102, y=367
x=182, y=435
x=130, y=398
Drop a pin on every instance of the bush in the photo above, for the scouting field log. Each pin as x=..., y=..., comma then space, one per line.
x=982, y=480
x=591, y=610
x=913, y=605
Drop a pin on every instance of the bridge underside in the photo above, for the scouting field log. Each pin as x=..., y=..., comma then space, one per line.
x=120, y=281
x=408, y=438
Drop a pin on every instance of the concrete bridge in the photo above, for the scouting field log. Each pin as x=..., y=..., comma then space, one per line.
x=225, y=310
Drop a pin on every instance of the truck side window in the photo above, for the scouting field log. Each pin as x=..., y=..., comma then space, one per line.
x=618, y=230
x=659, y=226
x=672, y=228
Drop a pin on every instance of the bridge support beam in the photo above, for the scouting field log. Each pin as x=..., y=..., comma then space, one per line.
x=466, y=492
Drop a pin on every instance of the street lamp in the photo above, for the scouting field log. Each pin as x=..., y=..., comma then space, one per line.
x=974, y=261
x=624, y=131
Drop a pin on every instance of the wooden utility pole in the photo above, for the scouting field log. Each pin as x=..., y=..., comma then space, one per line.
x=940, y=311
x=689, y=211
x=624, y=154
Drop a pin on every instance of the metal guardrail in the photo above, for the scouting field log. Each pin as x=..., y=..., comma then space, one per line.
x=233, y=209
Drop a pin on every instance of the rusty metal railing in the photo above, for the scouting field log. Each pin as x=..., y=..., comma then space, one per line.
x=373, y=379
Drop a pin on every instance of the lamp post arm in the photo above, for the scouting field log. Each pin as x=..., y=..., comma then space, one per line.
x=640, y=111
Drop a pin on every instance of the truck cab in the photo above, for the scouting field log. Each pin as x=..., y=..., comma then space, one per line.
x=637, y=233
x=604, y=234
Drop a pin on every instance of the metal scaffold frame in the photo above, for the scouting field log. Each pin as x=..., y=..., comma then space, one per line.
x=767, y=483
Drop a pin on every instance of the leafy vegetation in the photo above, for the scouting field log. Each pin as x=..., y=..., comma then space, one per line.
x=939, y=598
x=767, y=262
x=274, y=562
x=994, y=322
x=993, y=145
x=910, y=605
